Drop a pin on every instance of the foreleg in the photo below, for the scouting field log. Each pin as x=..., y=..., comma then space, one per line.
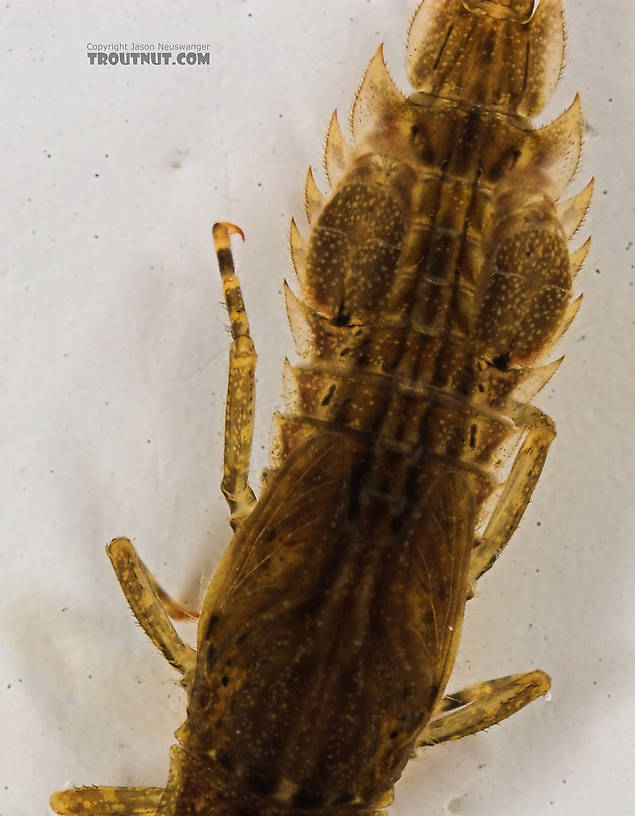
x=239, y=410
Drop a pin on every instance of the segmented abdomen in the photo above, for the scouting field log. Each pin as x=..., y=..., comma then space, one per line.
x=437, y=272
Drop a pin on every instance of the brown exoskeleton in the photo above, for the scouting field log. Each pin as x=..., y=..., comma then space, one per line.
x=435, y=276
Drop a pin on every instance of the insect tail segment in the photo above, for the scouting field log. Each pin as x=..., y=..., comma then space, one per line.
x=496, y=53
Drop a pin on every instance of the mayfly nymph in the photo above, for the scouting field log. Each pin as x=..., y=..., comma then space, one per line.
x=434, y=279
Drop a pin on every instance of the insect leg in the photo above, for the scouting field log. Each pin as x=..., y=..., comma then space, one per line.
x=517, y=491
x=104, y=801
x=239, y=409
x=482, y=705
x=140, y=590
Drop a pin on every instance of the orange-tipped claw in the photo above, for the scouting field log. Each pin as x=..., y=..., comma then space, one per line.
x=226, y=226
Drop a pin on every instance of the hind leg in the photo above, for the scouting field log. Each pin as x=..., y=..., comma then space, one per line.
x=106, y=801
x=239, y=409
x=482, y=705
x=517, y=491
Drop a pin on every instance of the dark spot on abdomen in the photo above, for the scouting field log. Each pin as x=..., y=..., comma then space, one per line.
x=305, y=798
x=260, y=781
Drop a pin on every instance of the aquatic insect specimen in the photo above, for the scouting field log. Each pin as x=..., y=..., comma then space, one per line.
x=435, y=277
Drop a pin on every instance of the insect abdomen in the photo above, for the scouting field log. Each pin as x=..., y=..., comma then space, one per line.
x=437, y=272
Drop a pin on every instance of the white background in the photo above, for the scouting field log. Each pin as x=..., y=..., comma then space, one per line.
x=114, y=350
